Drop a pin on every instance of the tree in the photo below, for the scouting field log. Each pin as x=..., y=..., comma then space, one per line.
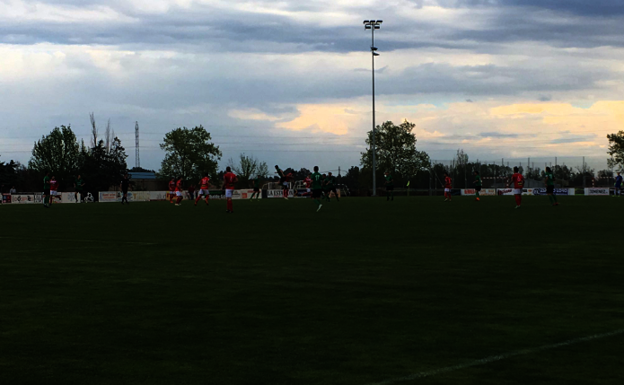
x=616, y=150
x=103, y=167
x=396, y=151
x=189, y=154
x=247, y=167
x=57, y=153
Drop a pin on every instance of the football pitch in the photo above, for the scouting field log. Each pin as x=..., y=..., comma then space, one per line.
x=413, y=291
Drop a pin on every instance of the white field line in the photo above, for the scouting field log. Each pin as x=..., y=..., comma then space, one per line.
x=499, y=357
x=86, y=241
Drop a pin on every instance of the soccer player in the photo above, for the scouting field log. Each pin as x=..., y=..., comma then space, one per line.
x=46, y=190
x=229, y=179
x=389, y=185
x=330, y=183
x=308, y=184
x=448, y=183
x=477, y=183
x=78, y=186
x=282, y=181
x=256, y=188
x=549, y=181
x=518, y=181
x=53, y=189
x=287, y=178
x=618, y=186
x=125, y=183
x=178, y=191
x=172, y=186
x=317, y=187
x=204, y=185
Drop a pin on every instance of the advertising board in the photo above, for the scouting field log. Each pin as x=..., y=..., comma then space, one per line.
x=26, y=198
x=279, y=193
x=158, y=195
x=509, y=191
x=115, y=196
x=484, y=192
x=593, y=191
x=6, y=198
x=558, y=191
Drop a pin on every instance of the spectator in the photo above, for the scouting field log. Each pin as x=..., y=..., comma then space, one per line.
x=191, y=191
x=13, y=190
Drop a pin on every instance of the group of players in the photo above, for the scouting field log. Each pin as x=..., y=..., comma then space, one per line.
x=518, y=184
x=318, y=186
x=51, y=185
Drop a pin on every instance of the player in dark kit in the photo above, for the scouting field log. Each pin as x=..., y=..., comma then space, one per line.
x=330, y=186
x=125, y=183
x=78, y=187
x=477, y=183
x=46, y=190
x=549, y=181
x=317, y=187
x=617, y=192
x=389, y=186
x=256, y=188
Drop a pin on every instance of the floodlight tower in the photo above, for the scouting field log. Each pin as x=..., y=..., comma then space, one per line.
x=373, y=25
x=137, y=159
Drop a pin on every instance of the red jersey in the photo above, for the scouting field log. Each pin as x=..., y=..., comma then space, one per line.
x=448, y=182
x=518, y=180
x=229, y=178
x=53, y=185
x=172, y=185
x=308, y=182
x=204, y=183
x=178, y=186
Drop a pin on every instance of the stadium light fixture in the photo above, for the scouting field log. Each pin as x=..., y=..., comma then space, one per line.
x=373, y=25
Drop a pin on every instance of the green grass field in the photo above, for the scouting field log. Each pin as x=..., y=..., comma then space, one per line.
x=363, y=292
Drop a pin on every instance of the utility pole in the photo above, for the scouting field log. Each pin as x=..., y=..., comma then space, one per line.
x=373, y=25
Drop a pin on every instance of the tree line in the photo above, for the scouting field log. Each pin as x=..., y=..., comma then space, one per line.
x=190, y=154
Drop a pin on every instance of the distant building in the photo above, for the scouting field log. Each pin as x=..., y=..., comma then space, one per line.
x=145, y=181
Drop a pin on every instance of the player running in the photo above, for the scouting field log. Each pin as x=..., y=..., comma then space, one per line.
x=204, y=185
x=228, y=183
x=448, y=184
x=317, y=187
x=330, y=186
x=389, y=186
x=178, y=191
x=78, y=187
x=477, y=183
x=125, y=183
x=617, y=192
x=172, y=186
x=518, y=181
x=46, y=190
x=256, y=188
x=549, y=181
x=283, y=181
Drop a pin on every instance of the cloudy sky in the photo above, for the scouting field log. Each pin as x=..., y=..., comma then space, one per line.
x=290, y=82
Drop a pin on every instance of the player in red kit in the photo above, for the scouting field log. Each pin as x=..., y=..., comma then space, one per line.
x=204, y=184
x=172, y=185
x=448, y=183
x=178, y=192
x=518, y=181
x=308, y=184
x=228, y=184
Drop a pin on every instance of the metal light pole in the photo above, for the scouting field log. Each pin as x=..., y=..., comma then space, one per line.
x=373, y=25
